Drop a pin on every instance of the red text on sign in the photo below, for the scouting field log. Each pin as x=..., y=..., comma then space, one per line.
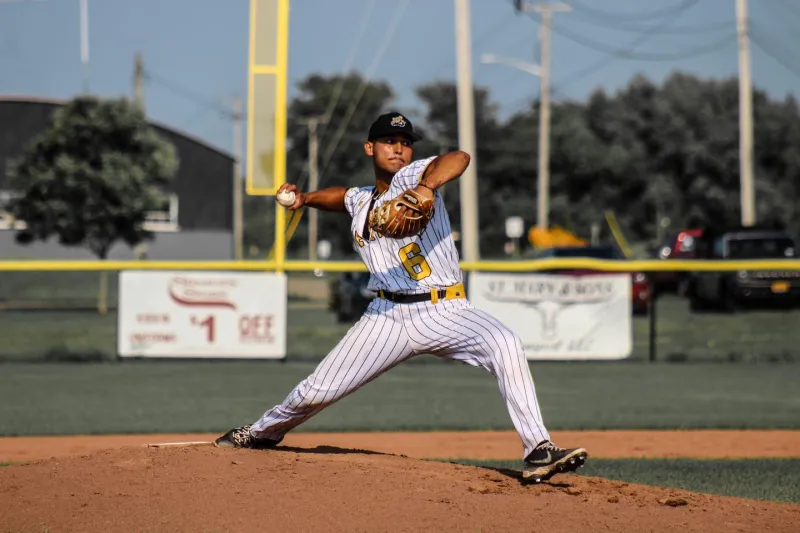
x=256, y=328
x=208, y=324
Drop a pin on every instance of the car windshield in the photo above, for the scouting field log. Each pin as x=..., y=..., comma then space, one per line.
x=763, y=248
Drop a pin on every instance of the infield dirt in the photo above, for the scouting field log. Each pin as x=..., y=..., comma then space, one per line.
x=326, y=488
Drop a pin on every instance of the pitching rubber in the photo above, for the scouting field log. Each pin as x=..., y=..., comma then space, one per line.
x=180, y=444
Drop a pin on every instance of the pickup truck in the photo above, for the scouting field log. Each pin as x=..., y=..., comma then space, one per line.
x=731, y=290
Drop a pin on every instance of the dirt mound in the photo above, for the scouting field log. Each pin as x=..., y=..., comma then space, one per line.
x=332, y=489
x=502, y=445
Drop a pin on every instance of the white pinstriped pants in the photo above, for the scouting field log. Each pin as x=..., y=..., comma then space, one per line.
x=389, y=334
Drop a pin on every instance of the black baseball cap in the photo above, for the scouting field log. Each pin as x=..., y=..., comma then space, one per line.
x=392, y=123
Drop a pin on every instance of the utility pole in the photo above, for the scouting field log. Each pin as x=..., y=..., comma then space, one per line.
x=747, y=193
x=138, y=80
x=313, y=124
x=468, y=183
x=84, y=9
x=238, y=219
x=546, y=11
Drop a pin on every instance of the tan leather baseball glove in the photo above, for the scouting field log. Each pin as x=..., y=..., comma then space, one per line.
x=404, y=216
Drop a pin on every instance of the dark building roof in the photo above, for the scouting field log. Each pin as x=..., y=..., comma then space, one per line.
x=203, y=183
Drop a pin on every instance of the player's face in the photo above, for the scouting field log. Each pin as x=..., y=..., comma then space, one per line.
x=390, y=153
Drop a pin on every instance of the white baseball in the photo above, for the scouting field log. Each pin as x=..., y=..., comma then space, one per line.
x=286, y=198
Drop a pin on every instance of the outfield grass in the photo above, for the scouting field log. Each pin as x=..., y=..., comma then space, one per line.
x=188, y=396
x=312, y=331
x=764, y=479
x=56, y=288
x=83, y=335
x=770, y=335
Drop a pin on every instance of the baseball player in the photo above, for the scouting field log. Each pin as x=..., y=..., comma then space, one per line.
x=420, y=304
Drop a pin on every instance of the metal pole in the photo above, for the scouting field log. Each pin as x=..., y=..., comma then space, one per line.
x=138, y=80
x=653, y=322
x=543, y=183
x=543, y=190
x=313, y=124
x=238, y=211
x=468, y=183
x=747, y=198
x=84, y=6
x=313, y=185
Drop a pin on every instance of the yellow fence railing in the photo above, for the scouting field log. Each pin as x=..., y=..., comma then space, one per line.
x=535, y=265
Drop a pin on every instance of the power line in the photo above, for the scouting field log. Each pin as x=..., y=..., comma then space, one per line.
x=379, y=53
x=337, y=91
x=789, y=6
x=188, y=94
x=773, y=50
x=672, y=30
x=617, y=16
x=450, y=63
x=644, y=56
x=646, y=34
x=781, y=10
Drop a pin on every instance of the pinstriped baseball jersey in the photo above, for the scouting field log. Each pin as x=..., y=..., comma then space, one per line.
x=411, y=265
x=390, y=333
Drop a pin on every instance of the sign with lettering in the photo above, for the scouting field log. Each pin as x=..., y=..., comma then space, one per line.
x=202, y=314
x=560, y=316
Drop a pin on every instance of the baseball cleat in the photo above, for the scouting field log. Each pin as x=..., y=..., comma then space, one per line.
x=547, y=460
x=242, y=438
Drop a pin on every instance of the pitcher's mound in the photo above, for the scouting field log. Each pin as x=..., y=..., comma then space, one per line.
x=201, y=488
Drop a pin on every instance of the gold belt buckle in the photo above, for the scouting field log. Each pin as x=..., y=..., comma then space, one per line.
x=434, y=296
x=450, y=293
x=455, y=291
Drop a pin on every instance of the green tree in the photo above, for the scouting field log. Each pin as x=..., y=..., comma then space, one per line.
x=351, y=103
x=441, y=103
x=92, y=177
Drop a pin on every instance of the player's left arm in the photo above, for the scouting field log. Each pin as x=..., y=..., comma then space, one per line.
x=444, y=169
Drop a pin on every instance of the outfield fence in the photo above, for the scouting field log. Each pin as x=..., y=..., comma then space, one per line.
x=68, y=310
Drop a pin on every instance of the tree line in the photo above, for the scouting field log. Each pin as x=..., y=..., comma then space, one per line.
x=661, y=156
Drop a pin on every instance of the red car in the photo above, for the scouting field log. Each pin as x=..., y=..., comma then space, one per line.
x=678, y=245
x=641, y=288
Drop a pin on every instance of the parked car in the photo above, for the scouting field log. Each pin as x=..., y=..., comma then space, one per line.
x=350, y=296
x=640, y=284
x=730, y=290
x=678, y=245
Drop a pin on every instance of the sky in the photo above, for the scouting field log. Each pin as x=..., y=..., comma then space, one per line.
x=195, y=51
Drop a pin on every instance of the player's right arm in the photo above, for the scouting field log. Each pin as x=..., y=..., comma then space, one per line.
x=330, y=199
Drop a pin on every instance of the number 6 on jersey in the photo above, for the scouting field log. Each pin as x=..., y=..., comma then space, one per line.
x=414, y=262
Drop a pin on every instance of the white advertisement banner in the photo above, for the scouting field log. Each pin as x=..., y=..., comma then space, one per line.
x=559, y=316
x=202, y=314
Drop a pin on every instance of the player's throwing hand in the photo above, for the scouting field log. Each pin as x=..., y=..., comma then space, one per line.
x=299, y=196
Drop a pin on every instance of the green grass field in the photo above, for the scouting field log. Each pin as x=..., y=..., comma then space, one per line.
x=764, y=479
x=189, y=396
x=54, y=335
x=41, y=395
x=50, y=334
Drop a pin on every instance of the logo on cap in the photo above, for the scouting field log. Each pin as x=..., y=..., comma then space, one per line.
x=399, y=121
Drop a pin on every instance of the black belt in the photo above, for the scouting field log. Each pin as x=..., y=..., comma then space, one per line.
x=400, y=298
x=433, y=296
